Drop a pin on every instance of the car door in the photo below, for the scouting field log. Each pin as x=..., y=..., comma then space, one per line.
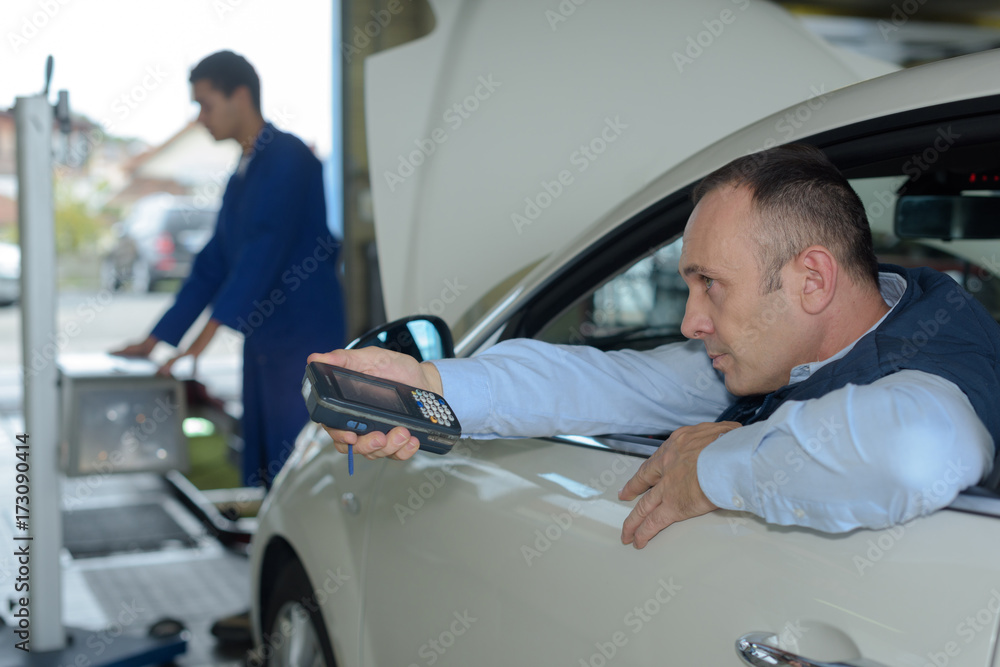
x=508, y=552
x=515, y=559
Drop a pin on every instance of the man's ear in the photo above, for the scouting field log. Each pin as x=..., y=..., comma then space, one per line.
x=819, y=271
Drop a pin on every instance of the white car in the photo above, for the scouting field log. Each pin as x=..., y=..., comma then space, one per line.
x=507, y=552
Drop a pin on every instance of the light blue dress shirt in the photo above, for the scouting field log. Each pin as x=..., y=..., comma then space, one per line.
x=860, y=456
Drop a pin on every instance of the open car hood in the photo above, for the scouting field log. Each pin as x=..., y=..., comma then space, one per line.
x=513, y=125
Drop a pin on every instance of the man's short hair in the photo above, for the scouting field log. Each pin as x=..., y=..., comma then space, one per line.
x=801, y=199
x=227, y=71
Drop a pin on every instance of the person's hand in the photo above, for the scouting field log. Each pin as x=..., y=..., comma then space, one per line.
x=194, y=350
x=142, y=349
x=165, y=369
x=398, y=443
x=668, y=483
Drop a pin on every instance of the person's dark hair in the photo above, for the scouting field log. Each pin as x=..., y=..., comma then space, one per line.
x=801, y=199
x=227, y=71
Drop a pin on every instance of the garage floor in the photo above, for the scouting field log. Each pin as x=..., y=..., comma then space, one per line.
x=138, y=556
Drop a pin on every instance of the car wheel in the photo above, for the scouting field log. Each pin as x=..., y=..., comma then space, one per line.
x=142, y=281
x=293, y=625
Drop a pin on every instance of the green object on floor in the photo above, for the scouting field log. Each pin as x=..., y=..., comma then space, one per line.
x=210, y=467
x=198, y=427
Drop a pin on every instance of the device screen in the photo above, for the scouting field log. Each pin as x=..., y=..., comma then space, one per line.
x=371, y=393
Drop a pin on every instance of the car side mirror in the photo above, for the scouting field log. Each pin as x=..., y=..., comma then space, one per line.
x=947, y=217
x=423, y=337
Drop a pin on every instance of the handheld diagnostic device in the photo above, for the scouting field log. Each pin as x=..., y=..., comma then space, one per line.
x=352, y=401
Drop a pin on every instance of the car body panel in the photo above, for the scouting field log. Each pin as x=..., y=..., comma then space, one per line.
x=508, y=552
x=539, y=565
x=314, y=479
x=618, y=78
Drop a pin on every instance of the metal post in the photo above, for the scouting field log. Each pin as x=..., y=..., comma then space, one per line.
x=36, y=222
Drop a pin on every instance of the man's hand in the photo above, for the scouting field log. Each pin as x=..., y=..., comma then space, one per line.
x=142, y=349
x=668, y=483
x=397, y=443
x=195, y=349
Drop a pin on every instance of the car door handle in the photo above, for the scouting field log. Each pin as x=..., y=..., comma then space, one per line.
x=758, y=649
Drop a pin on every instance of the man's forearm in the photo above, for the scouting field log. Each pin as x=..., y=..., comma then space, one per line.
x=862, y=456
x=529, y=388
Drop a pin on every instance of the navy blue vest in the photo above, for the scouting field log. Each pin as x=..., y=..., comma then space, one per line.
x=936, y=327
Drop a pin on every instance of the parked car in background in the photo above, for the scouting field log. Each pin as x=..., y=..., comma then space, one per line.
x=10, y=273
x=157, y=241
x=508, y=552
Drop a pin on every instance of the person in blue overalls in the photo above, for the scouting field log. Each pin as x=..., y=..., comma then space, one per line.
x=269, y=270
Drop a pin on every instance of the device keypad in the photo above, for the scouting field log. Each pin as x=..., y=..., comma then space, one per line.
x=433, y=408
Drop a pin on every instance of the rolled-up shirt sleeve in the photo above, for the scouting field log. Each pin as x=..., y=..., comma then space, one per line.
x=861, y=456
x=529, y=388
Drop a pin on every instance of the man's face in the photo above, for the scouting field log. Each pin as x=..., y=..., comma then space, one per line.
x=753, y=338
x=221, y=115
